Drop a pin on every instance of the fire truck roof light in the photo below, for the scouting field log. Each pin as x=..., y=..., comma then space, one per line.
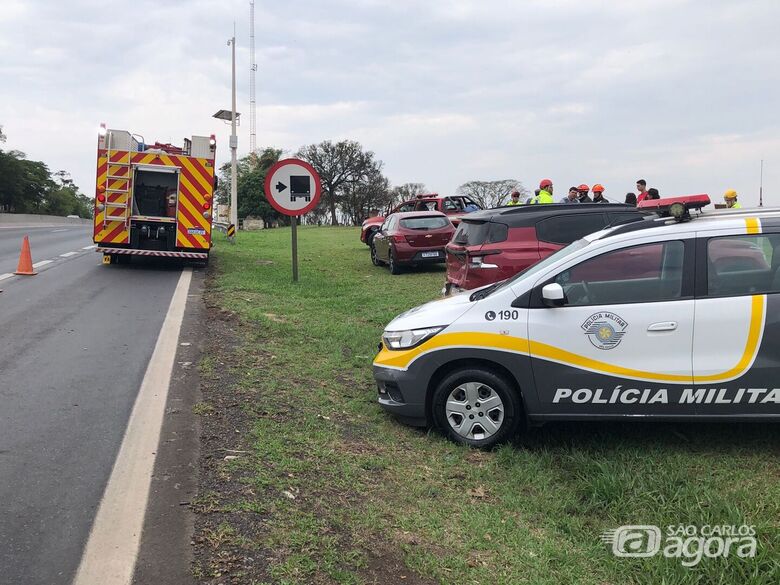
x=102, y=130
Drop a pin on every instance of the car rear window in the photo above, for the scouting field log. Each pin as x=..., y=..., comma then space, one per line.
x=425, y=223
x=476, y=233
x=565, y=229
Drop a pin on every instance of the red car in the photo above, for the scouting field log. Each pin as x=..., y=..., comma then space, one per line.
x=496, y=244
x=455, y=207
x=409, y=239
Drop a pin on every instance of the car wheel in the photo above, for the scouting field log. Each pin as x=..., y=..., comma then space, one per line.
x=476, y=407
x=374, y=260
x=393, y=264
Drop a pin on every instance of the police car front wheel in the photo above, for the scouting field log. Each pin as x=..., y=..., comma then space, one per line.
x=476, y=407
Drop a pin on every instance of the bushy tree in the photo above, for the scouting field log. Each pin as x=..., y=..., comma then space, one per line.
x=339, y=165
x=251, y=172
x=365, y=198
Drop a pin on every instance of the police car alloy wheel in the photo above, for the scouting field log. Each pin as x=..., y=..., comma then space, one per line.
x=374, y=260
x=476, y=407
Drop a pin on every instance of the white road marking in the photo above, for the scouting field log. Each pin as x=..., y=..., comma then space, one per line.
x=55, y=231
x=68, y=254
x=110, y=554
x=89, y=247
x=42, y=263
x=6, y=275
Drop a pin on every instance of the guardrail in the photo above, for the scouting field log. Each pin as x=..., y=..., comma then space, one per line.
x=221, y=226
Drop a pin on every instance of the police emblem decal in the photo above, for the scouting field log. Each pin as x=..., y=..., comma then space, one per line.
x=605, y=330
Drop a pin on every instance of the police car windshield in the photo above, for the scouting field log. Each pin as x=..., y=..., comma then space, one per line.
x=572, y=248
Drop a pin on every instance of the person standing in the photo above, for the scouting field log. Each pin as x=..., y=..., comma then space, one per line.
x=730, y=197
x=631, y=199
x=545, y=193
x=652, y=193
x=641, y=190
x=572, y=196
x=514, y=198
x=583, y=193
x=598, y=193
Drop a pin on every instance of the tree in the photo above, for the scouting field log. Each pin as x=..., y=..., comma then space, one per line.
x=339, y=164
x=404, y=193
x=250, y=178
x=363, y=198
x=2, y=136
x=491, y=194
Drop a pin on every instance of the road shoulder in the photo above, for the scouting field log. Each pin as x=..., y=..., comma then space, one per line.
x=165, y=553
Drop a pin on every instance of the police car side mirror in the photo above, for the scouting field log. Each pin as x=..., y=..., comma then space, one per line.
x=553, y=295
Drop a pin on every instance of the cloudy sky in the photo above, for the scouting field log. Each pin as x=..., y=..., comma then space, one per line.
x=682, y=93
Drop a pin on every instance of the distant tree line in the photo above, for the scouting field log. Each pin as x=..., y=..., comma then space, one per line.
x=27, y=186
x=353, y=185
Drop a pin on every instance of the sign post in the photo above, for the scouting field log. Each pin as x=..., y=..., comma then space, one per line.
x=293, y=188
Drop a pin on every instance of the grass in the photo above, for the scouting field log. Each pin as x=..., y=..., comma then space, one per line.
x=342, y=487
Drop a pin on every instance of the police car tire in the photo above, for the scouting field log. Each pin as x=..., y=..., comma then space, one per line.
x=506, y=391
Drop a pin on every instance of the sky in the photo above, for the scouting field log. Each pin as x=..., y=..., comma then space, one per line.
x=681, y=93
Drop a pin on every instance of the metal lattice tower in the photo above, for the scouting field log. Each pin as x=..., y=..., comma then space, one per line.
x=252, y=71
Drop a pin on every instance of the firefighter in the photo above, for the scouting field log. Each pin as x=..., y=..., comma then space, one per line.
x=730, y=196
x=598, y=193
x=515, y=200
x=545, y=192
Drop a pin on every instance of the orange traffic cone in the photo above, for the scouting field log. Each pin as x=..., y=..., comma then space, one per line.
x=25, y=266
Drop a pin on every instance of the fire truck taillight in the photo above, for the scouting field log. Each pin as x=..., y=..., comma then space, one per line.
x=213, y=141
x=207, y=214
x=206, y=205
x=102, y=129
x=101, y=198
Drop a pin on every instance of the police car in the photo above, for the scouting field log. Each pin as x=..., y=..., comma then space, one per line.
x=669, y=317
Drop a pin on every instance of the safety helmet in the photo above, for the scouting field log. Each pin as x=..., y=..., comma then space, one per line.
x=598, y=188
x=545, y=183
x=730, y=194
x=583, y=187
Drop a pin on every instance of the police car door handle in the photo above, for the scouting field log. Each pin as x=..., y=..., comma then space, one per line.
x=663, y=326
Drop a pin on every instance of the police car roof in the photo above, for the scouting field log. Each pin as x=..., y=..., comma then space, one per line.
x=718, y=218
x=527, y=215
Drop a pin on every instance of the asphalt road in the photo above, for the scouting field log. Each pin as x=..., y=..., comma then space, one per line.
x=76, y=340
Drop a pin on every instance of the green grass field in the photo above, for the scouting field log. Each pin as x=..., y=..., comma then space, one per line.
x=333, y=490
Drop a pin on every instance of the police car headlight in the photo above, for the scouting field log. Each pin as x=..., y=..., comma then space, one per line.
x=409, y=338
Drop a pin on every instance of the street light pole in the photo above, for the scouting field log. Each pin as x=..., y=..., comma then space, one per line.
x=233, y=146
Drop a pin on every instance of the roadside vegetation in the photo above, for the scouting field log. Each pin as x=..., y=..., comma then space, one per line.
x=305, y=480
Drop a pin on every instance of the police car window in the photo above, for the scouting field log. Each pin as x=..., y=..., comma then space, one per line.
x=743, y=265
x=565, y=229
x=646, y=273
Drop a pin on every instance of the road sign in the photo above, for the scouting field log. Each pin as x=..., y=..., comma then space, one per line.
x=231, y=231
x=292, y=187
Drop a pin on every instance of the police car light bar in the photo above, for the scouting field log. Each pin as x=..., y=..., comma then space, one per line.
x=676, y=207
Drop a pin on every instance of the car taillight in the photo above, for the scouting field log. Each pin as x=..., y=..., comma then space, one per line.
x=399, y=239
x=478, y=259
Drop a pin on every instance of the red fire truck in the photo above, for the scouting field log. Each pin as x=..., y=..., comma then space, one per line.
x=153, y=200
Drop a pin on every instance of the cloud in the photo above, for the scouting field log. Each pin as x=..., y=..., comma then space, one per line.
x=444, y=92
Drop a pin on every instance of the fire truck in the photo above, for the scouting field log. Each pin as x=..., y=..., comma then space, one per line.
x=153, y=200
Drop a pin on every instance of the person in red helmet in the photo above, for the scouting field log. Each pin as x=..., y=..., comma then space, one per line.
x=583, y=189
x=598, y=193
x=545, y=192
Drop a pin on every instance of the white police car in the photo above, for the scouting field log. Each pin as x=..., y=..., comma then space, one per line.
x=654, y=318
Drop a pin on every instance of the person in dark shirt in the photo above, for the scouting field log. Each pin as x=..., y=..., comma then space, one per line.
x=631, y=199
x=652, y=193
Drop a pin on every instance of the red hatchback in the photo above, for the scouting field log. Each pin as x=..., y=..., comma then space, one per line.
x=409, y=239
x=495, y=244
